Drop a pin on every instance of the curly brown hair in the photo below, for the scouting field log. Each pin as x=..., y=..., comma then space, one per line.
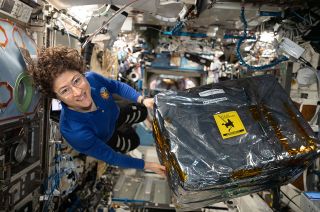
x=52, y=62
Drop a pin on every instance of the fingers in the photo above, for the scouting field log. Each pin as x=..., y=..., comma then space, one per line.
x=162, y=167
x=155, y=167
x=148, y=102
x=160, y=171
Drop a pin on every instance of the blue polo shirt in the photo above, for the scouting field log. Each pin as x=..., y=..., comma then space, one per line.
x=89, y=132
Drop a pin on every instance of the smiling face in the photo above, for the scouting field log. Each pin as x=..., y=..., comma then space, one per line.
x=72, y=88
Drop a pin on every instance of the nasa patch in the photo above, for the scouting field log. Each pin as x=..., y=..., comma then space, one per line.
x=104, y=93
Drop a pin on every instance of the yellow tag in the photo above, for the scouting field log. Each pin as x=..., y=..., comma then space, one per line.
x=229, y=124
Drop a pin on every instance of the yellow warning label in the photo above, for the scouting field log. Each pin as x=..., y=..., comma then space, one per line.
x=229, y=124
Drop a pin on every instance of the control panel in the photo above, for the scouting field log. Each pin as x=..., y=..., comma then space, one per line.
x=16, y=9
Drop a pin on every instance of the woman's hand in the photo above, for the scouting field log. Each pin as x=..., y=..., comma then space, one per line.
x=156, y=167
x=148, y=102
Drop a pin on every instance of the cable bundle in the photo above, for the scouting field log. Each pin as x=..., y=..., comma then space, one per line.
x=242, y=39
x=64, y=173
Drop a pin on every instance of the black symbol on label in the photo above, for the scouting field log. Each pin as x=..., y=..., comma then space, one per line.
x=229, y=124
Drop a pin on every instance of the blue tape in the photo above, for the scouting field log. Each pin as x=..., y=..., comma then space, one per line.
x=271, y=14
x=177, y=28
x=190, y=34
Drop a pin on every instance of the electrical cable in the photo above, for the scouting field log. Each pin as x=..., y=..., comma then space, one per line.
x=299, y=16
x=317, y=73
x=104, y=12
x=304, y=61
x=155, y=28
x=107, y=22
x=177, y=28
x=63, y=166
x=242, y=39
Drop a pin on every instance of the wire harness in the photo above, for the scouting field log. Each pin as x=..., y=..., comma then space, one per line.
x=242, y=39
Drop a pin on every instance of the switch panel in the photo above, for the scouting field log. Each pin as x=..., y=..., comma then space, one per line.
x=16, y=9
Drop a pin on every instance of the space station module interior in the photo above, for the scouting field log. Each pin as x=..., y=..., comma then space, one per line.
x=235, y=120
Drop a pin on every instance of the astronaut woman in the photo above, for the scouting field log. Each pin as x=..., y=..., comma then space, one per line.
x=90, y=120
